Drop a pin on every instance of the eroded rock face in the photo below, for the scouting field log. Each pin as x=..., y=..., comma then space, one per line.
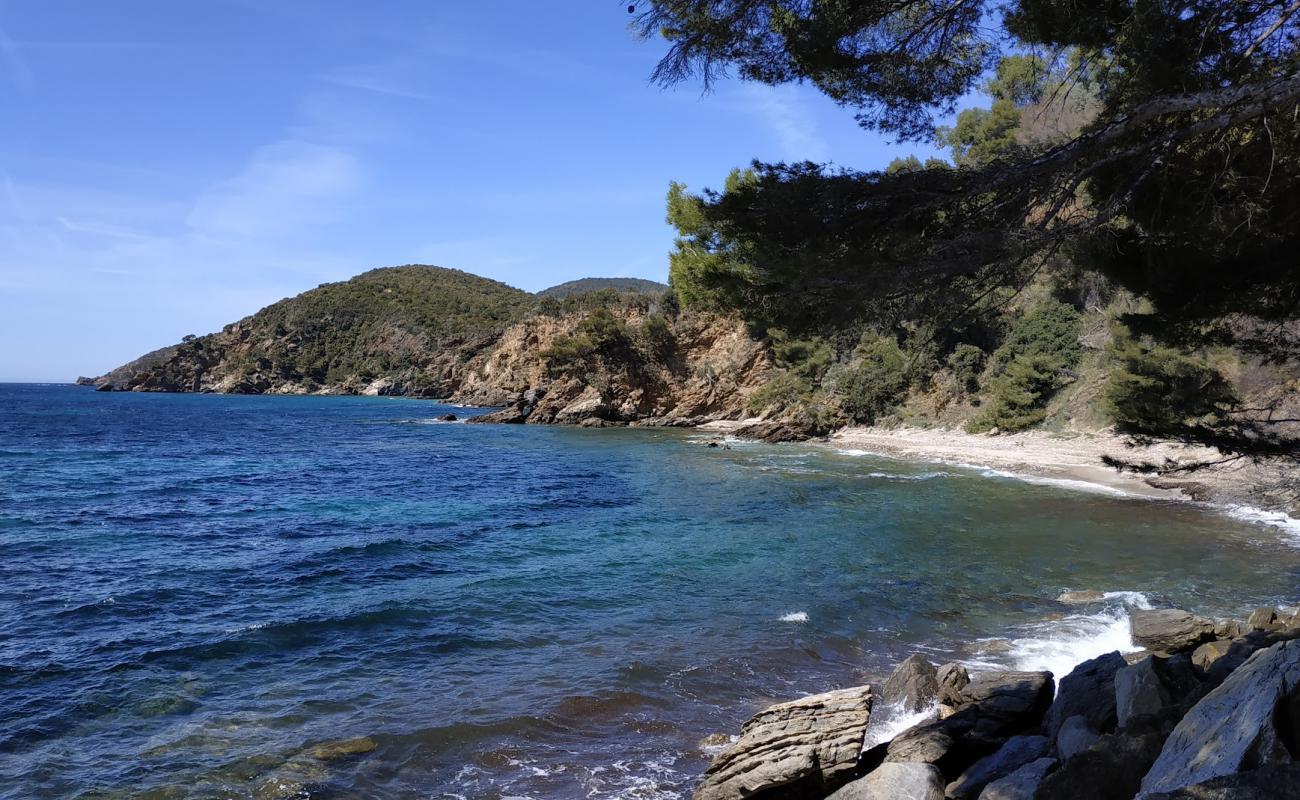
x=895, y=782
x=805, y=748
x=774, y=431
x=952, y=679
x=1169, y=630
x=914, y=685
x=1236, y=726
x=1088, y=691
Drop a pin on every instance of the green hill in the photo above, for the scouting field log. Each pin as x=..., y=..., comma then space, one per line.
x=587, y=285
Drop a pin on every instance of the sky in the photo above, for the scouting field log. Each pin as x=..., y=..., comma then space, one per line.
x=169, y=167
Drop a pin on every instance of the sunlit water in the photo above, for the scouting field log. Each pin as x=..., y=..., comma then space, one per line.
x=197, y=590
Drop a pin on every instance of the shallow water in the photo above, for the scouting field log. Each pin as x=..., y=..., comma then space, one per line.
x=196, y=590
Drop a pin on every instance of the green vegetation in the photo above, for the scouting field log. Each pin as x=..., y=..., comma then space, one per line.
x=1030, y=366
x=588, y=285
x=876, y=383
x=966, y=362
x=1153, y=388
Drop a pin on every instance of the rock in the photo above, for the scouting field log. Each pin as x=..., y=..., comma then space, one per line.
x=341, y=748
x=806, y=747
x=1020, y=785
x=515, y=415
x=1016, y=753
x=952, y=679
x=598, y=422
x=1074, y=737
x=1080, y=597
x=1111, y=769
x=1089, y=690
x=914, y=685
x=1236, y=726
x=1229, y=629
x=1269, y=782
x=1139, y=690
x=1169, y=630
x=104, y=387
x=895, y=782
x=1205, y=655
x=588, y=404
x=714, y=741
x=989, y=646
x=927, y=743
x=779, y=431
x=447, y=418
x=1007, y=703
x=1261, y=619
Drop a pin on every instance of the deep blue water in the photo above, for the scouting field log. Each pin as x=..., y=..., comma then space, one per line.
x=197, y=590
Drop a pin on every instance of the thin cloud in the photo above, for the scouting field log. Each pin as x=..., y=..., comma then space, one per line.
x=14, y=65
x=785, y=115
x=368, y=80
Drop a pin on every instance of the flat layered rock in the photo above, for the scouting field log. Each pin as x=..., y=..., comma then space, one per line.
x=1169, y=630
x=805, y=748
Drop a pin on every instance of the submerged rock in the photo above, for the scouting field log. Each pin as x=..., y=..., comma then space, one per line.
x=1081, y=597
x=805, y=748
x=1248, y=721
x=914, y=685
x=1169, y=630
x=895, y=782
x=342, y=748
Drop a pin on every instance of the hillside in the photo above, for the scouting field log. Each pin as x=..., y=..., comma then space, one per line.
x=587, y=285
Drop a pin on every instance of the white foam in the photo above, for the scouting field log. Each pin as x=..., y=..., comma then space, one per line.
x=892, y=719
x=1072, y=484
x=795, y=616
x=1061, y=645
x=1258, y=515
x=920, y=476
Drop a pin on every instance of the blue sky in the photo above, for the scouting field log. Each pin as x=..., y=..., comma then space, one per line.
x=169, y=167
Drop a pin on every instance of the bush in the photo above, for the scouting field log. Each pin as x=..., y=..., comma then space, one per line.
x=606, y=332
x=810, y=358
x=568, y=354
x=655, y=339
x=875, y=384
x=1153, y=391
x=1030, y=367
x=783, y=391
x=967, y=363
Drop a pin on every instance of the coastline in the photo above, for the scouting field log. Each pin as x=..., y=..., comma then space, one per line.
x=1074, y=460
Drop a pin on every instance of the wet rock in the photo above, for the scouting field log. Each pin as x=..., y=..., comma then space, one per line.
x=1022, y=784
x=952, y=678
x=341, y=748
x=1016, y=753
x=598, y=422
x=914, y=685
x=1169, y=630
x=928, y=743
x=1248, y=721
x=1006, y=703
x=1080, y=597
x=1111, y=769
x=1269, y=782
x=516, y=415
x=895, y=782
x=805, y=748
x=1074, y=737
x=1262, y=619
x=1089, y=691
x=714, y=741
x=446, y=418
x=1139, y=690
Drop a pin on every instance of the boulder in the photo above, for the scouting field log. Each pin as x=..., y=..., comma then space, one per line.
x=1089, y=691
x=1139, y=690
x=1016, y=753
x=1006, y=703
x=1080, y=597
x=1111, y=769
x=1269, y=782
x=805, y=748
x=1022, y=784
x=1248, y=721
x=1074, y=737
x=104, y=387
x=927, y=743
x=952, y=679
x=1261, y=619
x=779, y=431
x=446, y=418
x=1242, y=648
x=895, y=782
x=588, y=404
x=914, y=686
x=1169, y=630
x=515, y=415
x=1229, y=629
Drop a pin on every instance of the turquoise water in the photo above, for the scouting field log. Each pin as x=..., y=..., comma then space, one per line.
x=196, y=591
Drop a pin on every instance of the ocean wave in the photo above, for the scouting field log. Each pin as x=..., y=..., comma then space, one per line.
x=1061, y=645
x=1261, y=516
x=795, y=616
x=891, y=719
x=1072, y=484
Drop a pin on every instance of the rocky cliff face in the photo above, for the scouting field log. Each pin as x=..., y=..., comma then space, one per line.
x=704, y=368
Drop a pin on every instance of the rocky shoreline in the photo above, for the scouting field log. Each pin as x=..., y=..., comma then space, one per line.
x=1206, y=709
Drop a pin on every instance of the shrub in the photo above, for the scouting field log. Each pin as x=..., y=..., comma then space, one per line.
x=810, y=358
x=875, y=384
x=655, y=339
x=1153, y=390
x=784, y=390
x=967, y=363
x=606, y=332
x=568, y=354
x=1029, y=368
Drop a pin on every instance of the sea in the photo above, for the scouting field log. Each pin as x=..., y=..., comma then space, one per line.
x=213, y=596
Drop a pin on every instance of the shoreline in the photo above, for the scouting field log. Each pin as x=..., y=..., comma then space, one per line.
x=1072, y=460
